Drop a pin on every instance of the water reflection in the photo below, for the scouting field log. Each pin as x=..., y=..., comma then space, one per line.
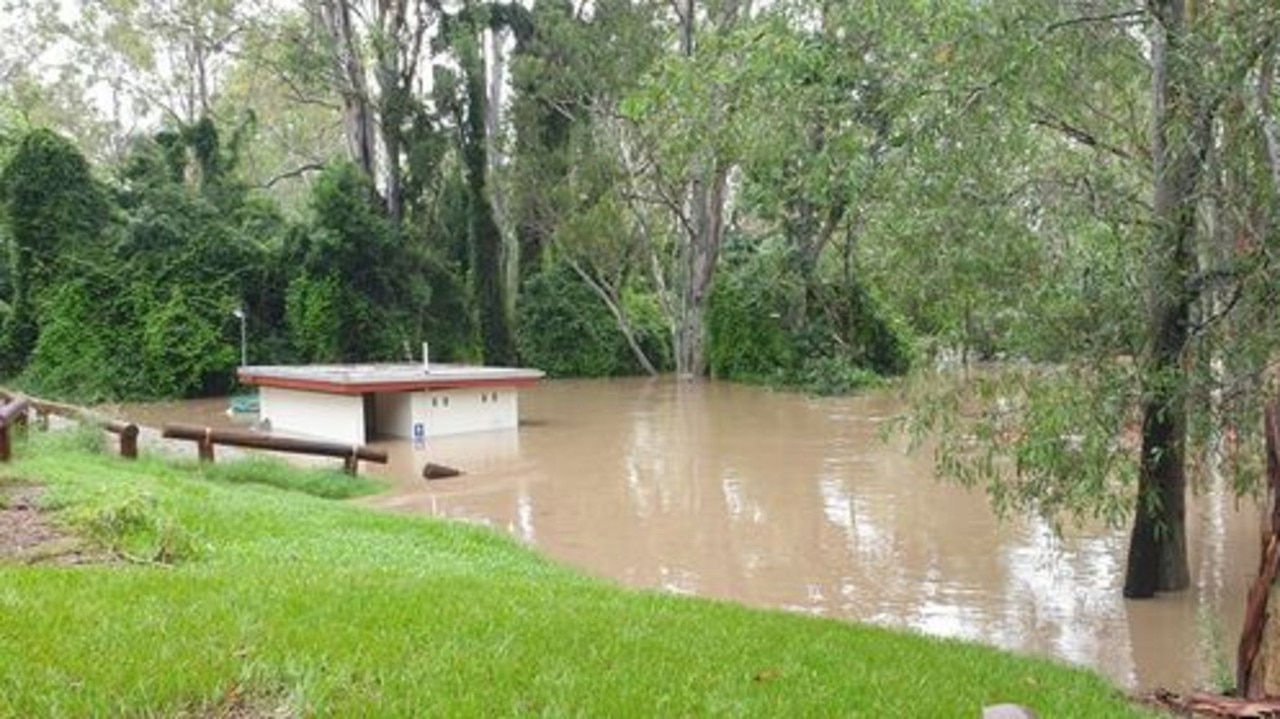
x=782, y=501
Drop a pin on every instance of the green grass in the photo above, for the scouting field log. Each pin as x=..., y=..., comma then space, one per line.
x=327, y=483
x=292, y=605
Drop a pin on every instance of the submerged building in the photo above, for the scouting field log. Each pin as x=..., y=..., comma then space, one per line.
x=357, y=403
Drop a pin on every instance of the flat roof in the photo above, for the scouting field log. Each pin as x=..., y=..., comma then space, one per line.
x=403, y=377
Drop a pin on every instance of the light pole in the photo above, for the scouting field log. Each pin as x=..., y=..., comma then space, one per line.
x=244, y=347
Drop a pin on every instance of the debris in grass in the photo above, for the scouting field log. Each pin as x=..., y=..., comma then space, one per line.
x=246, y=703
x=27, y=535
x=767, y=675
x=1214, y=705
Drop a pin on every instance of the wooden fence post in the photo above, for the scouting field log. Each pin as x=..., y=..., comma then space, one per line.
x=10, y=412
x=129, y=441
x=206, y=445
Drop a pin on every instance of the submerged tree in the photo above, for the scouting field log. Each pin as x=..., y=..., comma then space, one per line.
x=1148, y=305
x=680, y=150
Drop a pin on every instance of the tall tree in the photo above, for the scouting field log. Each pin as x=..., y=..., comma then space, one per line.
x=379, y=50
x=1153, y=318
x=1181, y=125
x=566, y=178
x=1200, y=56
x=682, y=155
x=281, y=85
x=465, y=32
x=160, y=56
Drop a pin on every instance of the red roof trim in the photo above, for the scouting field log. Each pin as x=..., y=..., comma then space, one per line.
x=354, y=388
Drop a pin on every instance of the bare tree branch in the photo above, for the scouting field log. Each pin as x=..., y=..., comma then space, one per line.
x=1128, y=16
x=295, y=172
x=1046, y=119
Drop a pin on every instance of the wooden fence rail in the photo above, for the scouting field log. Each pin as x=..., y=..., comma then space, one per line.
x=207, y=437
x=126, y=431
x=14, y=411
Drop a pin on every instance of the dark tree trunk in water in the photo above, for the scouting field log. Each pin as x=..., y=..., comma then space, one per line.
x=706, y=198
x=1158, y=545
x=699, y=255
x=1180, y=140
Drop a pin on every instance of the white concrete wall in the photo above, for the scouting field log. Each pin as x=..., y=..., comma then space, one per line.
x=335, y=417
x=393, y=414
x=458, y=411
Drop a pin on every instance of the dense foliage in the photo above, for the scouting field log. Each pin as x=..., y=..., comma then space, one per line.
x=801, y=192
x=153, y=262
x=55, y=212
x=829, y=337
x=567, y=332
x=431, y=232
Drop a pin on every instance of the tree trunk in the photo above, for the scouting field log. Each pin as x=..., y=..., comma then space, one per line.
x=1258, y=654
x=486, y=238
x=705, y=200
x=494, y=102
x=1180, y=141
x=394, y=106
x=699, y=258
x=357, y=116
x=687, y=27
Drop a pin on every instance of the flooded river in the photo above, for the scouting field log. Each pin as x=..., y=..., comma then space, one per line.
x=783, y=501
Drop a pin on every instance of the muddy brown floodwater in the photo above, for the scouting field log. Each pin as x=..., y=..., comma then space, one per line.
x=778, y=500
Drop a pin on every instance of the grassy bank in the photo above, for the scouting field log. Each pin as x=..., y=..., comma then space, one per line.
x=241, y=597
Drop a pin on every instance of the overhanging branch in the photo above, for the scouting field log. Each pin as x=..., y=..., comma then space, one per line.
x=1127, y=15
x=295, y=172
x=1047, y=120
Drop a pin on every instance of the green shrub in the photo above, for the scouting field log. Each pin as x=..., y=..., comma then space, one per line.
x=832, y=376
x=135, y=529
x=90, y=323
x=78, y=348
x=747, y=339
x=565, y=330
x=184, y=352
x=448, y=323
x=767, y=325
x=653, y=334
x=358, y=290
x=53, y=208
x=880, y=340
x=313, y=313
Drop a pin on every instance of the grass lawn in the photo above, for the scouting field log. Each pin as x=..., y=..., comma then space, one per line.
x=241, y=599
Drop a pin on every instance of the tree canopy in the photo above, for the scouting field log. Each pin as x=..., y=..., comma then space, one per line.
x=805, y=193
